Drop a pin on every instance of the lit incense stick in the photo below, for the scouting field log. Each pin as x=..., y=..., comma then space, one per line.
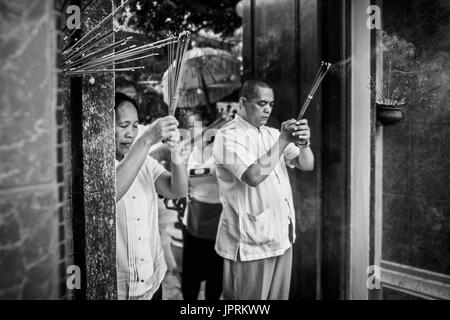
x=324, y=67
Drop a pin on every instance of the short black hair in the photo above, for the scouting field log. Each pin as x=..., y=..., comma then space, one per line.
x=250, y=87
x=122, y=82
x=121, y=98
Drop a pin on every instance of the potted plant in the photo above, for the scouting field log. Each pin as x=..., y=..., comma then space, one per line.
x=389, y=111
x=389, y=100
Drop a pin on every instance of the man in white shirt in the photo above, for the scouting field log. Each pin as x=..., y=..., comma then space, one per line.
x=257, y=226
x=139, y=178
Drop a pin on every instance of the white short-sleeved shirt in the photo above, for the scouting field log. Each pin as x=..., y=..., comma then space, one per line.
x=203, y=212
x=140, y=261
x=255, y=220
x=203, y=184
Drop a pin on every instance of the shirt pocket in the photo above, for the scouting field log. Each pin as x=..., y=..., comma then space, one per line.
x=259, y=227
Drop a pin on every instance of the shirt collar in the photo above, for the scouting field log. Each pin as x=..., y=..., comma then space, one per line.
x=242, y=123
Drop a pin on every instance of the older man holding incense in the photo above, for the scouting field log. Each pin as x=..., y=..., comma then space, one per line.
x=257, y=226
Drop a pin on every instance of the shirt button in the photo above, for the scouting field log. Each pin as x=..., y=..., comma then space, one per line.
x=138, y=219
x=142, y=280
x=134, y=197
x=142, y=259
x=139, y=238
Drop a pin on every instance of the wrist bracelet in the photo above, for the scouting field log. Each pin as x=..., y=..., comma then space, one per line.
x=303, y=146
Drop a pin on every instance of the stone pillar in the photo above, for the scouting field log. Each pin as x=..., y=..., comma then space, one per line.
x=88, y=149
x=99, y=169
x=64, y=153
x=28, y=157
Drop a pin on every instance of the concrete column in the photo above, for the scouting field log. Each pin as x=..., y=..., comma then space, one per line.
x=99, y=169
x=28, y=158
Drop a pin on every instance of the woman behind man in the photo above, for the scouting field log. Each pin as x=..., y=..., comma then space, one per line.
x=200, y=261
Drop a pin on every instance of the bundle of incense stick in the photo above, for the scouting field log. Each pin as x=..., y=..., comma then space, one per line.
x=87, y=56
x=176, y=53
x=324, y=67
x=385, y=97
x=70, y=48
x=397, y=97
x=101, y=61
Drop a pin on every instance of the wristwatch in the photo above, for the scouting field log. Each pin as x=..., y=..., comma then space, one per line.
x=304, y=145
